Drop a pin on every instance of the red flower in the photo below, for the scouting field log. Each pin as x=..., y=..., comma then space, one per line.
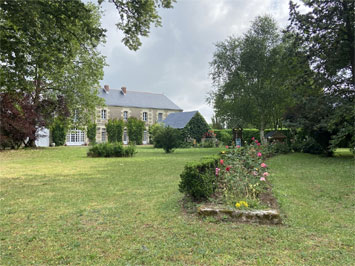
x=252, y=138
x=228, y=168
x=258, y=144
x=221, y=161
x=227, y=147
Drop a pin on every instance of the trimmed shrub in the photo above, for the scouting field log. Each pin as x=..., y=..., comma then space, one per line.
x=91, y=133
x=59, y=129
x=224, y=135
x=196, y=128
x=280, y=147
x=114, y=128
x=115, y=149
x=208, y=143
x=135, y=130
x=168, y=138
x=198, y=179
x=154, y=130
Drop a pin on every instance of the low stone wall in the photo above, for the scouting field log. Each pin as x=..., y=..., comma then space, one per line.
x=271, y=217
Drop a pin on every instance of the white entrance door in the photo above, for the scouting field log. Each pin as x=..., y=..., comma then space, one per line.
x=125, y=137
x=145, y=137
x=75, y=137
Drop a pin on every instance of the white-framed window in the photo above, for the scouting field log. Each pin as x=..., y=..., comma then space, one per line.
x=160, y=117
x=125, y=115
x=103, y=114
x=145, y=116
x=103, y=134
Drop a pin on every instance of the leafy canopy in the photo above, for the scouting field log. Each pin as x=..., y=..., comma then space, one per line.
x=246, y=73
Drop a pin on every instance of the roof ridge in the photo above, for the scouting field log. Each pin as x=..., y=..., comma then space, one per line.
x=139, y=91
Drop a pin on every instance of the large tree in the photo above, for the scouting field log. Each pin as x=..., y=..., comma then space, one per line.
x=48, y=51
x=245, y=71
x=326, y=34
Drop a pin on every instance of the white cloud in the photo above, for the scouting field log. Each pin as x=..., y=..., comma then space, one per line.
x=174, y=60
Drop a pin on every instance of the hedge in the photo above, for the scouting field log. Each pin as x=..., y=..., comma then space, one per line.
x=111, y=150
x=198, y=179
x=226, y=135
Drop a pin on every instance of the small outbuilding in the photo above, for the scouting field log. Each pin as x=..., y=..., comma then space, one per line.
x=275, y=136
x=191, y=123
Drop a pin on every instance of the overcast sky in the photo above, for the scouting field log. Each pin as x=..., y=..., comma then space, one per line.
x=174, y=59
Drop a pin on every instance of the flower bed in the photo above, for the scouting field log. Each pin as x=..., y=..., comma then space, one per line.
x=238, y=181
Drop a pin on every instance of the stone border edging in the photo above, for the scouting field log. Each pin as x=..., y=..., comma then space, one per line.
x=271, y=217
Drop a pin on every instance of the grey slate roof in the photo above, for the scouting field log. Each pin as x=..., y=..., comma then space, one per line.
x=137, y=99
x=179, y=120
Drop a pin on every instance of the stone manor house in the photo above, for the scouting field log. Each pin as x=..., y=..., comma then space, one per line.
x=122, y=104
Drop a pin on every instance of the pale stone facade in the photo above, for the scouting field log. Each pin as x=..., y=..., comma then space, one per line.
x=123, y=104
x=118, y=112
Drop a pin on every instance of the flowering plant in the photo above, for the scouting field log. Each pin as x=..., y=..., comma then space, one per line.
x=243, y=174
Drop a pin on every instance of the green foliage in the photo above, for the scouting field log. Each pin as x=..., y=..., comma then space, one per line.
x=114, y=128
x=280, y=147
x=91, y=132
x=54, y=45
x=224, y=135
x=135, y=129
x=59, y=129
x=168, y=138
x=331, y=49
x=49, y=51
x=198, y=180
x=208, y=143
x=196, y=127
x=331, y=52
x=115, y=149
x=154, y=131
x=311, y=116
x=246, y=73
x=136, y=17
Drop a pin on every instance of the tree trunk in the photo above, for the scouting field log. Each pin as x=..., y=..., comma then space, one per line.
x=262, y=133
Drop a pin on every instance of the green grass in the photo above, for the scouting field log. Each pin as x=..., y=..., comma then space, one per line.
x=60, y=207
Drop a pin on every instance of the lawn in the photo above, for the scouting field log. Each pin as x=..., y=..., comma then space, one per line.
x=60, y=207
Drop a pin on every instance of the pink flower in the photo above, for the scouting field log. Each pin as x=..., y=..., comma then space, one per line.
x=263, y=165
x=255, y=173
x=258, y=144
x=238, y=146
x=252, y=138
x=228, y=168
x=265, y=174
x=217, y=171
x=221, y=161
x=227, y=147
x=262, y=178
x=256, y=141
x=259, y=154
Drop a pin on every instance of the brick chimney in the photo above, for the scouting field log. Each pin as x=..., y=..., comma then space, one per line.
x=107, y=88
x=124, y=90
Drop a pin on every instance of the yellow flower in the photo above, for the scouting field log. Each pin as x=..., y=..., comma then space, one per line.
x=237, y=205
